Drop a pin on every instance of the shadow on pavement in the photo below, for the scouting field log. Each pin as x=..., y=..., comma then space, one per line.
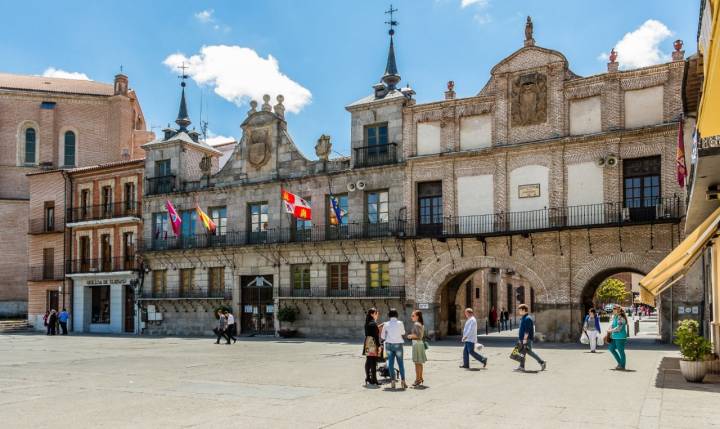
x=669, y=377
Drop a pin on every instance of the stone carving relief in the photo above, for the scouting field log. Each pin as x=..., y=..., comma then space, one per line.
x=323, y=147
x=258, y=147
x=529, y=99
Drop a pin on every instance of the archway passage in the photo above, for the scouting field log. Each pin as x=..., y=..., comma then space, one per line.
x=489, y=292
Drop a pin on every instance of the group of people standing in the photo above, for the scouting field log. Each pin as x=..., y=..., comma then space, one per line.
x=55, y=322
x=225, y=328
x=615, y=337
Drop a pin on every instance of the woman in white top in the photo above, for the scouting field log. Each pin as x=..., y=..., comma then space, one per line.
x=393, y=332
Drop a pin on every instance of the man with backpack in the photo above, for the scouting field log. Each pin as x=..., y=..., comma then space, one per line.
x=526, y=335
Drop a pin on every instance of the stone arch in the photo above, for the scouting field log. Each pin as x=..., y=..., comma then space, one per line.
x=585, y=277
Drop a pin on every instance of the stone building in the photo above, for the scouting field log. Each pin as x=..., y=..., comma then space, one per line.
x=47, y=124
x=559, y=179
x=95, y=123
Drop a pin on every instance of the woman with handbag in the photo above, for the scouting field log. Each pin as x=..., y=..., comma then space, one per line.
x=618, y=334
x=417, y=335
x=591, y=328
x=371, y=347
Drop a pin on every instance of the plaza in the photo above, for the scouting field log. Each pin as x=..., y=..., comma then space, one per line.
x=123, y=381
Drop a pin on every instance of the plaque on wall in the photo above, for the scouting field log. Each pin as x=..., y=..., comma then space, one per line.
x=529, y=191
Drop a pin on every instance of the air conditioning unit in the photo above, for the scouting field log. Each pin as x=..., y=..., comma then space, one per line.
x=350, y=187
x=360, y=185
x=611, y=161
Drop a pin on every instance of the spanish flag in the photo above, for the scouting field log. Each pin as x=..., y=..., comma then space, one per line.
x=209, y=224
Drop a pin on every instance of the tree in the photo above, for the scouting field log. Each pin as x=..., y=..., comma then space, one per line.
x=611, y=291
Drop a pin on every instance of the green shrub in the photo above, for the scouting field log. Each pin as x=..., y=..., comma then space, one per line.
x=693, y=347
x=287, y=314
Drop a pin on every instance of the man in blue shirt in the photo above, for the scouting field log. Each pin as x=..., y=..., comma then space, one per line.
x=63, y=319
x=526, y=334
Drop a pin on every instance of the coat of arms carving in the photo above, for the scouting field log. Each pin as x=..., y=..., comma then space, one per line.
x=529, y=99
x=259, y=147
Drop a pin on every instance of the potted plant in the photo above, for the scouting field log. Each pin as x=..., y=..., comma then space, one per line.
x=287, y=315
x=694, y=350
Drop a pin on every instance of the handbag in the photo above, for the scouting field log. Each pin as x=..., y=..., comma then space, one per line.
x=425, y=344
x=599, y=340
x=371, y=347
x=518, y=353
x=608, y=338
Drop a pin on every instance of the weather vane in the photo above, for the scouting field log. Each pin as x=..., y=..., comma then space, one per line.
x=183, y=76
x=392, y=23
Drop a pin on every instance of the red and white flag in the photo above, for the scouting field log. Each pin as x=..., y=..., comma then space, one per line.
x=296, y=205
x=680, y=165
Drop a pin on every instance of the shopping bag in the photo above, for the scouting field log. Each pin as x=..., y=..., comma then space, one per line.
x=518, y=353
x=600, y=340
x=584, y=339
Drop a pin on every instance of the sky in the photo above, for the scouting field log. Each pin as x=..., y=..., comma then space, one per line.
x=321, y=55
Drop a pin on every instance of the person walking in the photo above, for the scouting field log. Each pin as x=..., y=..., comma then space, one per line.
x=493, y=317
x=618, y=336
x=371, y=347
x=63, y=319
x=591, y=328
x=52, y=322
x=221, y=327
x=526, y=335
x=231, y=328
x=392, y=333
x=417, y=335
x=504, y=319
x=469, y=339
x=46, y=320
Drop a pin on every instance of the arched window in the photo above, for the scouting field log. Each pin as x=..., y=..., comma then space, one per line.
x=69, y=149
x=30, y=146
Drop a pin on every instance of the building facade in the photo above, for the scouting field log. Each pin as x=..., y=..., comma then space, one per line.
x=52, y=123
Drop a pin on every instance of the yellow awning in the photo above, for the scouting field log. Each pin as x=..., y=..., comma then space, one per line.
x=682, y=257
x=708, y=122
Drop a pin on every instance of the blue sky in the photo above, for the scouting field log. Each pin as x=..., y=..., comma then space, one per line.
x=326, y=53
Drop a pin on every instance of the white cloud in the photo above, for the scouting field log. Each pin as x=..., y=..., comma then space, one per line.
x=480, y=16
x=641, y=47
x=481, y=3
x=218, y=140
x=239, y=74
x=205, y=16
x=483, y=18
x=53, y=72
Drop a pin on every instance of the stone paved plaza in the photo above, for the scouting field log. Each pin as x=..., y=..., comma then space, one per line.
x=100, y=381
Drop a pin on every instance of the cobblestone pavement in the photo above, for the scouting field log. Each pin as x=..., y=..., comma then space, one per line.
x=101, y=381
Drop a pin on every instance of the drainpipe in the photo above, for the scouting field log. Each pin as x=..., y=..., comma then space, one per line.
x=66, y=246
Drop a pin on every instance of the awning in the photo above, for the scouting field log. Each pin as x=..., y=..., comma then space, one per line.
x=681, y=258
x=708, y=122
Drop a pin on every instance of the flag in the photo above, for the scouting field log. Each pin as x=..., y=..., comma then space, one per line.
x=337, y=211
x=209, y=224
x=296, y=206
x=173, y=218
x=680, y=157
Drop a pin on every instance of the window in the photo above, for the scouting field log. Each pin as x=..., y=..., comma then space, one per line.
x=301, y=276
x=69, y=149
x=430, y=208
x=129, y=196
x=641, y=183
x=105, y=253
x=159, y=283
x=84, y=203
x=100, y=305
x=128, y=250
x=302, y=228
x=30, y=146
x=258, y=222
x=338, y=276
x=84, y=254
x=377, y=207
x=376, y=138
x=186, y=282
x=160, y=226
x=216, y=282
x=342, y=202
x=189, y=219
x=162, y=168
x=49, y=216
x=378, y=275
x=107, y=201
x=219, y=216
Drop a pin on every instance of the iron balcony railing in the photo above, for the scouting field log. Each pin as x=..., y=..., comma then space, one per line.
x=316, y=233
x=368, y=156
x=350, y=291
x=160, y=185
x=656, y=210
x=194, y=292
x=44, y=225
x=39, y=273
x=101, y=265
x=105, y=211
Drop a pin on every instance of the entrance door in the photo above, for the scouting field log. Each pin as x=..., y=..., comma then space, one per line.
x=258, y=306
x=53, y=300
x=129, y=309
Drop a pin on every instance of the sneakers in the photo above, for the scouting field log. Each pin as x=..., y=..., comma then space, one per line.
x=485, y=362
x=464, y=367
x=519, y=369
x=543, y=366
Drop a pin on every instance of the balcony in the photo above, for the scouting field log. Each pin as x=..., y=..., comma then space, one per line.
x=369, y=156
x=316, y=233
x=105, y=211
x=40, y=273
x=160, y=185
x=194, y=292
x=101, y=265
x=662, y=210
x=351, y=292
x=46, y=225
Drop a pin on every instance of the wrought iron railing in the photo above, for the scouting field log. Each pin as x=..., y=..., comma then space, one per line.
x=104, y=211
x=160, y=185
x=38, y=273
x=368, y=156
x=351, y=291
x=194, y=292
x=101, y=265
x=43, y=225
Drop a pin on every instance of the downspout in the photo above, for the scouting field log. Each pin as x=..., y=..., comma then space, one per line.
x=66, y=246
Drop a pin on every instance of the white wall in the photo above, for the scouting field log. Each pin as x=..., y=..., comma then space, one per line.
x=528, y=175
x=428, y=138
x=585, y=187
x=585, y=116
x=475, y=198
x=643, y=107
x=475, y=132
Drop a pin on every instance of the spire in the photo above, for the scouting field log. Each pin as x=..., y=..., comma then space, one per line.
x=391, y=76
x=182, y=119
